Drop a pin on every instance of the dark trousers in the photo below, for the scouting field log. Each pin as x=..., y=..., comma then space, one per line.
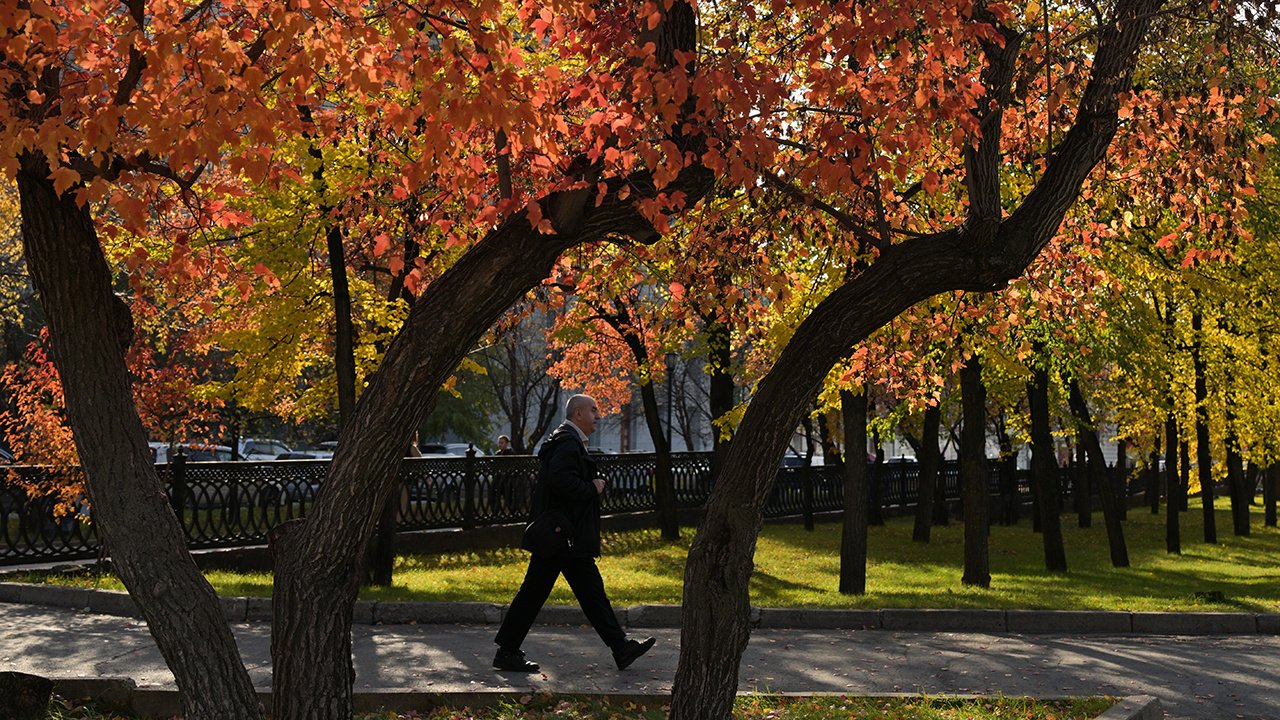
x=587, y=585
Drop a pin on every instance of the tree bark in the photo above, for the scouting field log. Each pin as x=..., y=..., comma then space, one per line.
x=1172, y=506
x=1098, y=469
x=853, y=536
x=1154, y=476
x=973, y=476
x=90, y=328
x=1204, y=458
x=720, y=396
x=1044, y=473
x=930, y=458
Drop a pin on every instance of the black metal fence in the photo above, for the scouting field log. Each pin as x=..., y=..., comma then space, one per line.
x=229, y=504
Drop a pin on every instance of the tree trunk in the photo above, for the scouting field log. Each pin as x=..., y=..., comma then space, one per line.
x=1120, y=478
x=89, y=329
x=1270, y=482
x=663, y=479
x=1098, y=469
x=721, y=391
x=311, y=665
x=1008, y=474
x=929, y=458
x=1204, y=457
x=1236, y=479
x=1154, y=477
x=1172, y=507
x=1082, y=490
x=1184, y=475
x=973, y=476
x=853, y=536
x=1044, y=473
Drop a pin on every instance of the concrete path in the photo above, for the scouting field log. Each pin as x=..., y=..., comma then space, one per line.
x=1194, y=677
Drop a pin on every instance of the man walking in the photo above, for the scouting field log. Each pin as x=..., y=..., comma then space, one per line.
x=567, y=483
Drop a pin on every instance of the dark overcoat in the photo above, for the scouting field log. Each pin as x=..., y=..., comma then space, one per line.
x=565, y=484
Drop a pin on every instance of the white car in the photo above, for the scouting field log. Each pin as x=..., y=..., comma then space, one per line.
x=195, y=452
x=262, y=449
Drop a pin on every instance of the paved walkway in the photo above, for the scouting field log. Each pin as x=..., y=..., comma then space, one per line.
x=1194, y=677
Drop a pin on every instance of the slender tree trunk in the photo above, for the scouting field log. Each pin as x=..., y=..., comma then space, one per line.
x=721, y=391
x=929, y=458
x=1008, y=475
x=1154, y=477
x=1044, y=473
x=1172, y=508
x=664, y=480
x=1184, y=475
x=1270, y=482
x=90, y=329
x=1203, y=455
x=1082, y=493
x=973, y=476
x=1235, y=483
x=1098, y=468
x=1120, y=479
x=853, y=537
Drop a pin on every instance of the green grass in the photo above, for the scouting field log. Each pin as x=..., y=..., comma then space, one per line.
x=750, y=707
x=795, y=568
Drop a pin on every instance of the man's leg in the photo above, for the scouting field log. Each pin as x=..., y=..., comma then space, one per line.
x=539, y=579
x=584, y=578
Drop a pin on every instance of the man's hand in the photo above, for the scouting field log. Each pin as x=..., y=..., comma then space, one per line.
x=599, y=486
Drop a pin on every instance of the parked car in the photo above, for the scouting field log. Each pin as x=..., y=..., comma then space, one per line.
x=446, y=449
x=262, y=449
x=195, y=452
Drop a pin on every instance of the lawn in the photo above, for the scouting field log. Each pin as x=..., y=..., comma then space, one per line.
x=795, y=568
x=750, y=707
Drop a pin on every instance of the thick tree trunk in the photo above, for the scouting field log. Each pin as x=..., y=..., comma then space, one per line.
x=981, y=256
x=1204, y=458
x=930, y=458
x=973, y=476
x=1098, y=469
x=1184, y=475
x=90, y=328
x=1172, y=507
x=1044, y=473
x=853, y=536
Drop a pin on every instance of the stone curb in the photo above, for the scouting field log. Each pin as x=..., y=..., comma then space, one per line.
x=122, y=695
x=372, y=612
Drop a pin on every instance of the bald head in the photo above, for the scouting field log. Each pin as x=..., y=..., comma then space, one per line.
x=581, y=410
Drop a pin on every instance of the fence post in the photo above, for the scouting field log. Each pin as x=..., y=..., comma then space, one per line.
x=806, y=495
x=178, y=483
x=469, y=488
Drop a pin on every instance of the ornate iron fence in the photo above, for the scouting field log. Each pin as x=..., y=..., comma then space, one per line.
x=229, y=504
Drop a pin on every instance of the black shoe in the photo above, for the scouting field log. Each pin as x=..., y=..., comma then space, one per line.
x=630, y=651
x=513, y=660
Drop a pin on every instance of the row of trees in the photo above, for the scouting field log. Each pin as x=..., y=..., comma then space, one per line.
x=813, y=188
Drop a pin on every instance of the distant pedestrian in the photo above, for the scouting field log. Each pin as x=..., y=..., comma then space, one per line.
x=568, y=484
x=504, y=446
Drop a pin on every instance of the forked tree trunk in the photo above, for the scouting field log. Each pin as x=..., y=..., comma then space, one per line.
x=853, y=535
x=1098, y=468
x=90, y=328
x=980, y=256
x=973, y=476
x=1044, y=473
x=1173, y=484
x=930, y=458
